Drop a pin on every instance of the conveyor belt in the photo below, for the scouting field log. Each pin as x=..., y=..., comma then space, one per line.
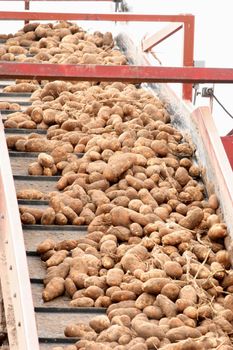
x=50, y=331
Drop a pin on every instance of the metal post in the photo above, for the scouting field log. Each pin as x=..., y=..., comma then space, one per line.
x=26, y=7
x=188, y=60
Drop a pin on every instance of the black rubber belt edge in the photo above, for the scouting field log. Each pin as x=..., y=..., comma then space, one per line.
x=8, y=111
x=25, y=131
x=36, y=280
x=55, y=227
x=33, y=202
x=32, y=253
x=43, y=340
x=36, y=178
x=18, y=154
x=66, y=310
x=15, y=94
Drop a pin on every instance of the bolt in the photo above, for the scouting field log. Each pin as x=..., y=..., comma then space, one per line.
x=1, y=216
x=10, y=268
x=19, y=324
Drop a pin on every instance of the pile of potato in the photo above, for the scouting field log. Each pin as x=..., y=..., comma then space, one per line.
x=154, y=254
x=9, y=106
x=62, y=42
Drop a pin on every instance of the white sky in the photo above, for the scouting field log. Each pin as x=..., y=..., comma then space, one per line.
x=213, y=33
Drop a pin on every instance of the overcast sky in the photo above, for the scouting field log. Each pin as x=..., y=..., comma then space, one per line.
x=213, y=35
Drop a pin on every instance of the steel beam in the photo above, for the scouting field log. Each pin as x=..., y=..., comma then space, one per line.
x=136, y=74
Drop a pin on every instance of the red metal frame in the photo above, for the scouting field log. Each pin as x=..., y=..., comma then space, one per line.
x=136, y=74
x=187, y=20
x=228, y=145
x=155, y=39
x=188, y=50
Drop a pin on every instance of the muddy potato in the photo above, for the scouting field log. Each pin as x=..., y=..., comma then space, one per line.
x=48, y=217
x=99, y=323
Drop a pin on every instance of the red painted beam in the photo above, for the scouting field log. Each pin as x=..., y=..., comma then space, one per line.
x=135, y=74
x=161, y=35
x=122, y=17
x=188, y=53
x=228, y=145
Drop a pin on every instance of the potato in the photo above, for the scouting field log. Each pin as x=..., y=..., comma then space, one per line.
x=48, y=217
x=153, y=312
x=70, y=287
x=193, y=219
x=60, y=219
x=213, y=202
x=177, y=237
x=118, y=164
x=53, y=289
x=79, y=330
x=146, y=329
x=166, y=305
x=129, y=311
x=114, y=277
x=134, y=259
x=123, y=295
x=181, y=333
x=36, y=212
x=99, y=323
x=46, y=245
x=182, y=176
x=45, y=160
x=217, y=231
x=60, y=270
x=223, y=257
x=57, y=258
x=135, y=286
x=160, y=148
x=28, y=219
x=82, y=302
x=35, y=169
x=121, y=233
x=93, y=292
x=171, y=290
x=155, y=285
x=103, y=301
x=173, y=269
x=30, y=194
x=145, y=299
x=188, y=293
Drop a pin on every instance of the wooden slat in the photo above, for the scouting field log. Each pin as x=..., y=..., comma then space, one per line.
x=19, y=166
x=36, y=267
x=56, y=323
x=33, y=237
x=44, y=185
x=37, y=289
